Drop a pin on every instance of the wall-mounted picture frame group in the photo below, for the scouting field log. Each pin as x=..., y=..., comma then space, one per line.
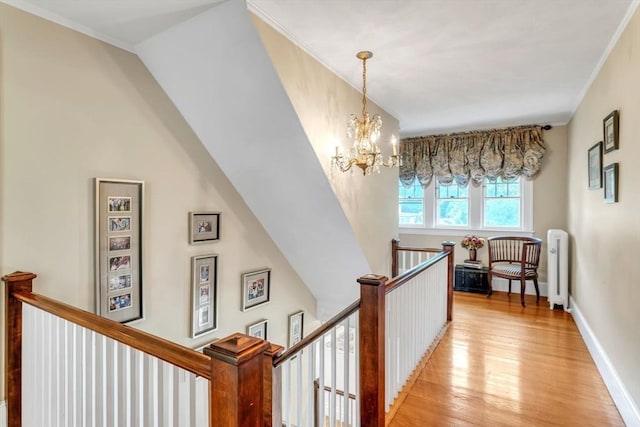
x=204, y=291
x=258, y=329
x=610, y=176
x=204, y=227
x=256, y=288
x=595, y=166
x=118, y=249
x=296, y=328
x=611, y=132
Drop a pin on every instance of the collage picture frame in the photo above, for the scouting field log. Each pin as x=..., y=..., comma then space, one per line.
x=296, y=328
x=204, y=294
x=256, y=288
x=118, y=249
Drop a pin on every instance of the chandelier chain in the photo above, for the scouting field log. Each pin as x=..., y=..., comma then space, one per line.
x=364, y=87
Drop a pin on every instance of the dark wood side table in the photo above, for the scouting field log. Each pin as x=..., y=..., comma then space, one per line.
x=469, y=279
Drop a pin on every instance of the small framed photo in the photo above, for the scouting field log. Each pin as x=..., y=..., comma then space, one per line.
x=118, y=224
x=118, y=249
x=595, y=166
x=119, y=243
x=296, y=328
x=204, y=287
x=204, y=227
x=256, y=288
x=610, y=174
x=611, y=126
x=258, y=330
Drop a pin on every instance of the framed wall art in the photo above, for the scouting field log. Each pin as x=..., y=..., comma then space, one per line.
x=118, y=249
x=595, y=166
x=258, y=330
x=256, y=288
x=296, y=326
x=204, y=227
x=610, y=127
x=610, y=174
x=204, y=291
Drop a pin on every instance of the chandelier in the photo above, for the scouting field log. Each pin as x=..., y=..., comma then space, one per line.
x=364, y=152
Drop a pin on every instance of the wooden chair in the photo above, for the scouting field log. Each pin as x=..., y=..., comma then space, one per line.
x=514, y=258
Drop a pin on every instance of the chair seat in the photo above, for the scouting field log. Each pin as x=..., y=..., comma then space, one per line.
x=512, y=270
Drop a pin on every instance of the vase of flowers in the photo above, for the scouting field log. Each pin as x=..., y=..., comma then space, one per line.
x=472, y=243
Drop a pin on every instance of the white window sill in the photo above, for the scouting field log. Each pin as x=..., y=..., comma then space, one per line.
x=463, y=232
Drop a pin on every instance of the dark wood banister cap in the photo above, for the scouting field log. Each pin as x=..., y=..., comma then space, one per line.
x=373, y=279
x=448, y=243
x=18, y=276
x=237, y=348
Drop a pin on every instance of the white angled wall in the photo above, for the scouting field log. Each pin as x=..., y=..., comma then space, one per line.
x=218, y=74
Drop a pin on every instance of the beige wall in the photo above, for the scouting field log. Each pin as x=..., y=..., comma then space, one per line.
x=549, y=203
x=73, y=108
x=605, y=275
x=323, y=103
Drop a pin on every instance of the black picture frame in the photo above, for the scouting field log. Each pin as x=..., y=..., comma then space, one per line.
x=594, y=156
x=611, y=131
x=610, y=178
x=118, y=249
x=256, y=288
x=204, y=294
x=204, y=227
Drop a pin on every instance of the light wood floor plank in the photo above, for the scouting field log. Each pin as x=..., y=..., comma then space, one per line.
x=503, y=365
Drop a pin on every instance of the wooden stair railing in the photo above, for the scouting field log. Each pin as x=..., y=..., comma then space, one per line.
x=245, y=380
x=235, y=366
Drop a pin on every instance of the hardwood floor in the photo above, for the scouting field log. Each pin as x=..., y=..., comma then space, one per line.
x=503, y=365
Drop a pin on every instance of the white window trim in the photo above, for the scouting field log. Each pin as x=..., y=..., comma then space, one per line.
x=475, y=215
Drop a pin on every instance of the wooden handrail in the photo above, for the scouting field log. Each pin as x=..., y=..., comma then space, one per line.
x=398, y=281
x=327, y=326
x=178, y=355
x=410, y=249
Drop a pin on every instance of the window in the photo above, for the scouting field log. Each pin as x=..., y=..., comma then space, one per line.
x=496, y=205
x=411, y=204
x=452, y=205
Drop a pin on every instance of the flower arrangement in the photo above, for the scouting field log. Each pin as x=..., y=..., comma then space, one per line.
x=472, y=242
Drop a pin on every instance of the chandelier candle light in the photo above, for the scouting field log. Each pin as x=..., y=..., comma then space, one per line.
x=364, y=133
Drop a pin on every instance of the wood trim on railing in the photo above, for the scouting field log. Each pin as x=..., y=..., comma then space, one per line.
x=175, y=354
x=327, y=326
x=395, y=248
x=371, y=341
x=23, y=282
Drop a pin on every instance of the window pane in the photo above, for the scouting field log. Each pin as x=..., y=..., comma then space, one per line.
x=453, y=212
x=411, y=211
x=415, y=191
x=502, y=212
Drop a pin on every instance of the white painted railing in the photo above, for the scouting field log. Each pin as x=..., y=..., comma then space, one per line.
x=320, y=382
x=73, y=376
x=409, y=259
x=416, y=313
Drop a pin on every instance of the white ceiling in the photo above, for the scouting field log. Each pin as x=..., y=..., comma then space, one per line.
x=438, y=65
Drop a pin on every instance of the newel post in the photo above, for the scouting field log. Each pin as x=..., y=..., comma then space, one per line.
x=394, y=257
x=372, y=346
x=448, y=246
x=237, y=380
x=14, y=282
x=272, y=385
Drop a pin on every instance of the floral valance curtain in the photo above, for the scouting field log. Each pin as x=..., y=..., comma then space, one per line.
x=472, y=156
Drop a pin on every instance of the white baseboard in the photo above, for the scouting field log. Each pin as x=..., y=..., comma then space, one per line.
x=624, y=402
x=3, y=413
x=500, y=284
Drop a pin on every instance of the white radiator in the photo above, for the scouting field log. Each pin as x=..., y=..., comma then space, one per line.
x=558, y=268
